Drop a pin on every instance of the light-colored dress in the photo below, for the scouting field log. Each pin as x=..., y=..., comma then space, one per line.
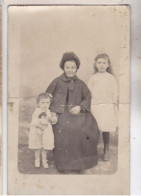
x=41, y=138
x=104, y=92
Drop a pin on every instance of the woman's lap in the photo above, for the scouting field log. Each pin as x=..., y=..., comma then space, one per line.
x=75, y=148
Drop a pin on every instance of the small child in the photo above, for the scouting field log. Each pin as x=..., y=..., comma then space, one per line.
x=104, y=92
x=41, y=136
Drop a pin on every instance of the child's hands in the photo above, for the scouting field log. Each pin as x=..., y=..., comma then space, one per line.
x=54, y=118
x=75, y=110
x=49, y=118
x=40, y=127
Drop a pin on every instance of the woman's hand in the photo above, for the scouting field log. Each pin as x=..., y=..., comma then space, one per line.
x=75, y=110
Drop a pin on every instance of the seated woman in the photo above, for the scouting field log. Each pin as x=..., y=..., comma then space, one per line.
x=76, y=133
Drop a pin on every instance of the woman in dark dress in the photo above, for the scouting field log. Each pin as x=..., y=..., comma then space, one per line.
x=76, y=133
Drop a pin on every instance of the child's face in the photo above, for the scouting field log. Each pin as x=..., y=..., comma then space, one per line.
x=70, y=68
x=44, y=104
x=102, y=65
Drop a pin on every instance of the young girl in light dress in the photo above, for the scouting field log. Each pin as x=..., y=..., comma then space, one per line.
x=41, y=137
x=104, y=92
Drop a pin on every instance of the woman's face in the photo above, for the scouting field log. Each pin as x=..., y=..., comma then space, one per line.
x=70, y=68
x=102, y=65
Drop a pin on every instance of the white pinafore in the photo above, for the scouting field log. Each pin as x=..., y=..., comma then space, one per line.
x=45, y=140
x=104, y=91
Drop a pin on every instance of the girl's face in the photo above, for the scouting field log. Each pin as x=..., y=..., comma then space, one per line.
x=102, y=65
x=70, y=68
x=44, y=104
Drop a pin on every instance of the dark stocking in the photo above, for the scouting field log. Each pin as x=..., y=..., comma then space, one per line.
x=106, y=139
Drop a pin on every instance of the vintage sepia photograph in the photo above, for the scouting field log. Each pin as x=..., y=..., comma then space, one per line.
x=0, y=103
x=68, y=97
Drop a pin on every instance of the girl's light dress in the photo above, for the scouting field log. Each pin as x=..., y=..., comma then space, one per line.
x=104, y=92
x=38, y=138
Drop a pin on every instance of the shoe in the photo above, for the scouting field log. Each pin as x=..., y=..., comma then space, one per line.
x=106, y=156
x=45, y=164
x=37, y=163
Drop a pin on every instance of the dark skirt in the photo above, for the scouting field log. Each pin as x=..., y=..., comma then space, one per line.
x=76, y=139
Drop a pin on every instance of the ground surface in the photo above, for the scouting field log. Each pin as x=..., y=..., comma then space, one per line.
x=26, y=156
x=26, y=163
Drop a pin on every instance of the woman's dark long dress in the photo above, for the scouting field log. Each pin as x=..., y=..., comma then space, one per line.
x=76, y=136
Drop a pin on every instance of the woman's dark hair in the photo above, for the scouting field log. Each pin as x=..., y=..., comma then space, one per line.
x=69, y=56
x=105, y=56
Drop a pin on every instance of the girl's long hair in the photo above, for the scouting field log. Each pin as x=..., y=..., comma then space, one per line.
x=105, y=56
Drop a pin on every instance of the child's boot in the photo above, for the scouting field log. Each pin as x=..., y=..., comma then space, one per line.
x=106, y=138
x=106, y=153
x=37, y=162
x=44, y=159
x=37, y=158
x=45, y=164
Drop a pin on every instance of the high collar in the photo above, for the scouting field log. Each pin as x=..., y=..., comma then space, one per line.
x=67, y=79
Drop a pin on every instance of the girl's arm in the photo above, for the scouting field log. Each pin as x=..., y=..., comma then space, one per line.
x=114, y=91
x=90, y=83
x=54, y=118
x=86, y=98
x=35, y=115
x=35, y=120
x=40, y=126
